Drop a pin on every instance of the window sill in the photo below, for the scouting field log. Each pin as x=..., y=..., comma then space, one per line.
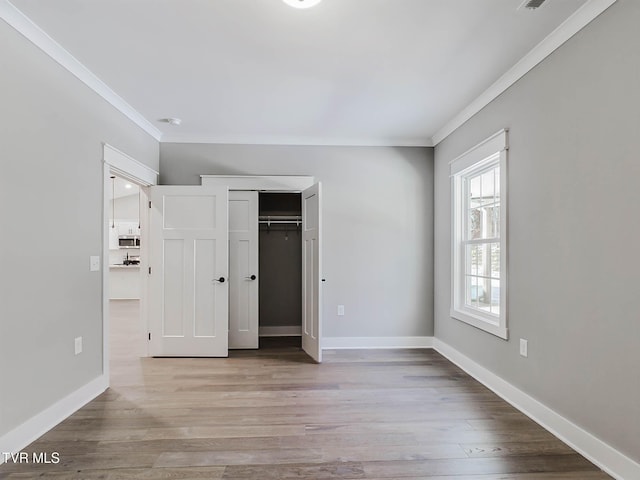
x=481, y=323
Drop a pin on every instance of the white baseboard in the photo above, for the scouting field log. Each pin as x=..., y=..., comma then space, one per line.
x=600, y=453
x=285, y=331
x=26, y=433
x=335, y=343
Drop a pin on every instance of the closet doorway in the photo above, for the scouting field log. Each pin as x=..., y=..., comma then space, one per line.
x=265, y=267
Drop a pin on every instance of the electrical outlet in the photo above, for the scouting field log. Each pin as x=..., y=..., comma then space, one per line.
x=341, y=310
x=524, y=347
x=94, y=263
x=78, y=345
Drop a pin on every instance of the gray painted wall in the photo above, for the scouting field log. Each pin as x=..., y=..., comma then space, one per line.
x=51, y=132
x=378, y=225
x=573, y=223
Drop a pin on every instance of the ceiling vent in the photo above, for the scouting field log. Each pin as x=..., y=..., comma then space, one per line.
x=532, y=4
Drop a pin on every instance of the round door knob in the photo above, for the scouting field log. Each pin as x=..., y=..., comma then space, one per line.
x=221, y=279
x=252, y=277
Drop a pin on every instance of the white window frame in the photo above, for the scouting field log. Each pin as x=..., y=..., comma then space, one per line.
x=492, y=151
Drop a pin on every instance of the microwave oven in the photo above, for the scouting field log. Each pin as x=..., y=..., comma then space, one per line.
x=129, y=241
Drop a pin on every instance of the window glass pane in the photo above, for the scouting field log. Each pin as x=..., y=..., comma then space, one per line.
x=472, y=259
x=475, y=223
x=487, y=188
x=495, y=296
x=495, y=221
x=475, y=191
x=496, y=172
x=468, y=297
x=495, y=260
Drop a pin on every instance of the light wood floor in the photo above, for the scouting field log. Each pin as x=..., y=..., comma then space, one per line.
x=272, y=414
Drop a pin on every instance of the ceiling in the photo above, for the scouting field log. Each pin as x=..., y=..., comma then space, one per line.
x=123, y=188
x=346, y=72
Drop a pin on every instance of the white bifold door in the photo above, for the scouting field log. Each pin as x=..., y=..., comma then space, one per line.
x=243, y=269
x=189, y=260
x=311, y=272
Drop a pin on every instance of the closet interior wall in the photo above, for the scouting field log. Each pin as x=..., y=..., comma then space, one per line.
x=280, y=260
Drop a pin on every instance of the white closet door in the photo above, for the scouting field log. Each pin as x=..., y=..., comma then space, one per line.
x=188, y=288
x=311, y=272
x=243, y=269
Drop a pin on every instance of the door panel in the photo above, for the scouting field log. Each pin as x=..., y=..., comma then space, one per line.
x=311, y=272
x=188, y=288
x=243, y=269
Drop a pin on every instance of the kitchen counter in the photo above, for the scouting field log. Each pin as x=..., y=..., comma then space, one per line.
x=124, y=282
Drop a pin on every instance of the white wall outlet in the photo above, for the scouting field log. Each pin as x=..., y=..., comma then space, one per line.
x=341, y=310
x=78, y=345
x=94, y=263
x=524, y=347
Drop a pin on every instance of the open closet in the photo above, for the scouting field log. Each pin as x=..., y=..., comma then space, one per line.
x=265, y=266
x=233, y=259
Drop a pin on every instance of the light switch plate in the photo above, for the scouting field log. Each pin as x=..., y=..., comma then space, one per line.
x=94, y=263
x=340, y=310
x=524, y=347
x=78, y=345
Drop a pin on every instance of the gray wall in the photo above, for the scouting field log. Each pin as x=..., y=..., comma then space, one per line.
x=51, y=132
x=573, y=223
x=377, y=213
x=280, y=277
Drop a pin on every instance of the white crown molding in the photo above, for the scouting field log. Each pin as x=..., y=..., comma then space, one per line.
x=595, y=450
x=297, y=141
x=21, y=436
x=576, y=22
x=341, y=343
x=20, y=22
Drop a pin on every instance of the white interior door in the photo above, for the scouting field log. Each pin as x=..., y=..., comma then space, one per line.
x=188, y=287
x=243, y=269
x=311, y=272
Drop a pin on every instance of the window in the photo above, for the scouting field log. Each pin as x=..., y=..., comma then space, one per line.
x=479, y=250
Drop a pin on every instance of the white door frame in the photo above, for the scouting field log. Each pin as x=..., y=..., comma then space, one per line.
x=122, y=165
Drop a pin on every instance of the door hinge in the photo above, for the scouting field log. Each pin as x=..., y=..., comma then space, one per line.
x=149, y=270
x=149, y=335
x=149, y=204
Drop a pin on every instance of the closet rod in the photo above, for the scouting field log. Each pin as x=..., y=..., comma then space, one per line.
x=280, y=219
x=275, y=222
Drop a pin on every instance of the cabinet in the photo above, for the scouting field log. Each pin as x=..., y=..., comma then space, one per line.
x=124, y=282
x=127, y=228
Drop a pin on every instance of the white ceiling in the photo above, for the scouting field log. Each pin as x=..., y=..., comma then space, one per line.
x=367, y=72
x=119, y=188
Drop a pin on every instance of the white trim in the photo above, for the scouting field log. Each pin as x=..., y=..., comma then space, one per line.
x=279, y=183
x=338, y=343
x=488, y=147
x=576, y=22
x=128, y=167
x=23, y=435
x=32, y=32
x=283, y=331
x=300, y=141
x=489, y=152
x=595, y=450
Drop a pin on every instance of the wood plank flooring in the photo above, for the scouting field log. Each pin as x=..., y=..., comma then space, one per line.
x=273, y=414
